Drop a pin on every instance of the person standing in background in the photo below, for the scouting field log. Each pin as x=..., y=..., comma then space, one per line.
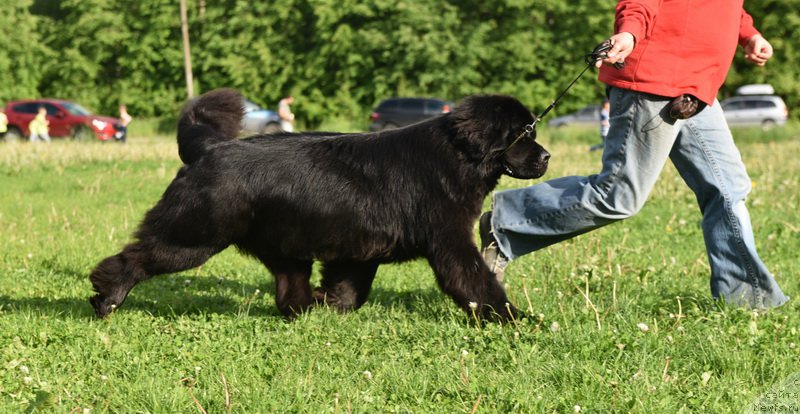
x=39, y=126
x=124, y=120
x=285, y=113
x=3, y=124
x=604, y=125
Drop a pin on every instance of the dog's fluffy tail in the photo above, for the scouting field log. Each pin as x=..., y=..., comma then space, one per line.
x=209, y=119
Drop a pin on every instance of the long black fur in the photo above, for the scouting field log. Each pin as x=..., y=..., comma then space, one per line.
x=351, y=201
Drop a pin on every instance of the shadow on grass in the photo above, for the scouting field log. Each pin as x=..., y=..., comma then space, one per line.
x=176, y=296
x=166, y=296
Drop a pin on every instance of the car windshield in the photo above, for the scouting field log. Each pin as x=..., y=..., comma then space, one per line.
x=251, y=106
x=75, y=109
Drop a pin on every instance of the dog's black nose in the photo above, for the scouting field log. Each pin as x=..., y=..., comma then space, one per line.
x=544, y=156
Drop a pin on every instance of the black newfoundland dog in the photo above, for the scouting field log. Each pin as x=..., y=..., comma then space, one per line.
x=351, y=201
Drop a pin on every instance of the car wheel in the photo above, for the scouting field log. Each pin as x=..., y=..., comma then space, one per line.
x=387, y=127
x=272, y=128
x=13, y=135
x=82, y=133
x=767, y=124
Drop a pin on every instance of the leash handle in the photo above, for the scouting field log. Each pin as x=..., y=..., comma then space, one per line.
x=600, y=52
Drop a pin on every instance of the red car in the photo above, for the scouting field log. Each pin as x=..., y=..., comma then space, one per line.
x=67, y=119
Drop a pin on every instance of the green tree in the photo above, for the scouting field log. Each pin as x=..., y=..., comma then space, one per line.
x=23, y=55
x=339, y=57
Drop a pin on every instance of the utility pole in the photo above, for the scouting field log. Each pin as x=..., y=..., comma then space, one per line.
x=187, y=54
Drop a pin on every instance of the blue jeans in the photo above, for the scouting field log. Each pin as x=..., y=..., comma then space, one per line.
x=641, y=138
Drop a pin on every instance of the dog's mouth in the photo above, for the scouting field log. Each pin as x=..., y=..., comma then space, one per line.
x=537, y=170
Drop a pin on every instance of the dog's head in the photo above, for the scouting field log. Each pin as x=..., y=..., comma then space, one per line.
x=488, y=125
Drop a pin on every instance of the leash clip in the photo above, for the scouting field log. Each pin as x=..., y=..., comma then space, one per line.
x=528, y=130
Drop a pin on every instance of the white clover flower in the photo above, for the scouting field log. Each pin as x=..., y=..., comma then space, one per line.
x=103, y=378
x=87, y=411
x=464, y=352
x=576, y=409
x=792, y=345
x=706, y=376
x=327, y=344
x=27, y=380
x=554, y=327
x=30, y=255
x=473, y=305
x=258, y=292
x=187, y=282
x=367, y=375
x=24, y=369
x=642, y=327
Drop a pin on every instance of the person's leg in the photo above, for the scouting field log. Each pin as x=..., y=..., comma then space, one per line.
x=46, y=138
x=636, y=149
x=708, y=160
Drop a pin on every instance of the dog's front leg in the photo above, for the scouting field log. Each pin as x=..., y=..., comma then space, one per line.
x=462, y=274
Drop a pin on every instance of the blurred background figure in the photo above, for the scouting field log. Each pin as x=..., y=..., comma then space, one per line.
x=39, y=126
x=124, y=120
x=604, y=125
x=3, y=123
x=285, y=113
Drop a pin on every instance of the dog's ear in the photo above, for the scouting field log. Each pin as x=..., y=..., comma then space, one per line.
x=487, y=124
x=481, y=126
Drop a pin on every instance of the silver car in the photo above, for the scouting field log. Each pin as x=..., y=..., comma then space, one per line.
x=258, y=120
x=589, y=115
x=755, y=110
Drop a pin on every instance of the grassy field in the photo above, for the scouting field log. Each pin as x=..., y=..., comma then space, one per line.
x=622, y=317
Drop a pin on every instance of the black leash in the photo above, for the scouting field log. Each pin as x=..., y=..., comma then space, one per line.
x=599, y=53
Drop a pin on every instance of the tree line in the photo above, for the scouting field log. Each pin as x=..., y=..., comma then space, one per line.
x=338, y=57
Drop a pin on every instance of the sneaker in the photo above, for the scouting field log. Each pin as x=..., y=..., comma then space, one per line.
x=490, y=251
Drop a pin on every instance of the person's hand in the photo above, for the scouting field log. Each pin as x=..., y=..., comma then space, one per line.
x=623, y=44
x=758, y=50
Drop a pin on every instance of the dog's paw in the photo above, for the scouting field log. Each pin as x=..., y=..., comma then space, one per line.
x=325, y=297
x=102, y=305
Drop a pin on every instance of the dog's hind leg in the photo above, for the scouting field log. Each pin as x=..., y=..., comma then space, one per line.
x=115, y=276
x=346, y=284
x=462, y=274
x=292, y=287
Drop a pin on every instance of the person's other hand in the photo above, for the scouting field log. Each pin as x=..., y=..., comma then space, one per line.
x=758, y=50
x=623, y=44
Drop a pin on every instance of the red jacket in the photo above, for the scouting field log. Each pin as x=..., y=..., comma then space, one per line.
x=682, y=46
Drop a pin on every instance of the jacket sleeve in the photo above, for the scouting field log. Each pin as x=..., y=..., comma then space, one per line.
x=636, y=17
x=746, y=28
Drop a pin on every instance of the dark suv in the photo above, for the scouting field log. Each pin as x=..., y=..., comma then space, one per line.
x=67, y=119
x=398, y=112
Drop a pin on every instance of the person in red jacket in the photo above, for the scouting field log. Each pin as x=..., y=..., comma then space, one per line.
x=671, y=49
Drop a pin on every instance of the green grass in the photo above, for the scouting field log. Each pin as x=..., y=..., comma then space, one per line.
x=214, y=331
